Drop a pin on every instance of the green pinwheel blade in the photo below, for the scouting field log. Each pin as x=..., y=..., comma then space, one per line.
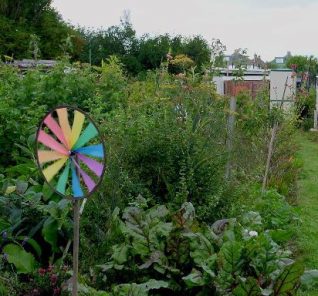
x=61, y=184
x=89, y=133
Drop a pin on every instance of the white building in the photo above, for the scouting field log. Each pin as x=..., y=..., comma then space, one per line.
x=281, y=83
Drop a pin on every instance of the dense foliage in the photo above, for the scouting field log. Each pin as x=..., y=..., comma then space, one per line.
x=33, y=29
x=173, y=253
x=166, y=220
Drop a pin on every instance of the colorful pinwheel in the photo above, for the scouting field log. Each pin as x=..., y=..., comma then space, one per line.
x=71, y=158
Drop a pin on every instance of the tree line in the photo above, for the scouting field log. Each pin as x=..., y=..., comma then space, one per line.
x=34, y=29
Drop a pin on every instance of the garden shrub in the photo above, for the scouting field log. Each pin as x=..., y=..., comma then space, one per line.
x=174, y=254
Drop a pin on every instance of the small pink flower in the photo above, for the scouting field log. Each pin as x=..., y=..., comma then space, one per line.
x=42, y=271
x=53, y=279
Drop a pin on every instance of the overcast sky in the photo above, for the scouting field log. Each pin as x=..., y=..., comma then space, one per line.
x=266, y=27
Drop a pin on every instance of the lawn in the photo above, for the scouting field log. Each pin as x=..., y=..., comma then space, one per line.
x=308, y=202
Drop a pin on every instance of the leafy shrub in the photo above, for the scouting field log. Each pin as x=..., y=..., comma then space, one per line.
x=168, y=150
x=174, y=254
x=285, y=166
x=34, y=225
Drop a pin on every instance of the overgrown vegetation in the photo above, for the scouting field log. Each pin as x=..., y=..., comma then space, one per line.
x=166, y=220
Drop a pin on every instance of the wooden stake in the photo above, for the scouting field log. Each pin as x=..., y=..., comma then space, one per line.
x=230, y=137
x=269, y=155
x=272, y=141
x=75, y=246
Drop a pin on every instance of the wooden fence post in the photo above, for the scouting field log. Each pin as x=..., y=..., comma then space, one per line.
x=269, y=155
x=230, y=136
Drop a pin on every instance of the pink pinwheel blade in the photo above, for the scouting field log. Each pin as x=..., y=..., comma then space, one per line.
x=55, y=128
x=50, y=142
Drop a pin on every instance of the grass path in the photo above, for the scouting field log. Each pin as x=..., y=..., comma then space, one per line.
x=308, y=203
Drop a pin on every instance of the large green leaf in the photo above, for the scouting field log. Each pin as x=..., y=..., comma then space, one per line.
x=3, y=224
x=281, y=235
x=136, y=227
x=139, y=289
x=85, y=290
x=120, y=253
x=310, y=278
x=21, y=186
x=146, y=228
x=247, y=288
x=194, y=279
x=156, y=212
x=50, y=232
x=22, y=260
x=230, y=255
x=201, y=247
x=288, y=280
x=36, y=247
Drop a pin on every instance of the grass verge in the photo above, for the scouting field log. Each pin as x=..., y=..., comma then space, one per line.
x=308, y=203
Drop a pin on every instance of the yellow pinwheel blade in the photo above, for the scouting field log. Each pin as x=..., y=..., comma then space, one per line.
x=54, y=168
x=77, y=127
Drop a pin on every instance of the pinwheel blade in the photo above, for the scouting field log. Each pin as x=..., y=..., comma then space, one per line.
x=76, y=186
x=65, y=125
x=89, y=133
x=90, y=184
x=92, y=164
x=77, y=126
x=61, y=184
x=50, y=142
x=53, y=169
x=93, y=150
x=48, y=155
x=55, y=128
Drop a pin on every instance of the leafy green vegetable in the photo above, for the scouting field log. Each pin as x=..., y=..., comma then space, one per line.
x=22, y=260
x=288, y=280
x=248, y=287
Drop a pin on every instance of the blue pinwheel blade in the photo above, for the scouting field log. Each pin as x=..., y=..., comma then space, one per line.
x=76, y=186
x=93, y=150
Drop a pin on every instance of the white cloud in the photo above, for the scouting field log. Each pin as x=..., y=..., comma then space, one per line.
x=267, y=27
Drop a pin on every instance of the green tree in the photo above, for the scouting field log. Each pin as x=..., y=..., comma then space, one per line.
x=21, y=20
x=197, y=48
x=24, y=10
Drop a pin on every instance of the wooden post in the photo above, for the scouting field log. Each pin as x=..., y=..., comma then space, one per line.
x=272, y=141
x=230, y=136
x=316, y=111
x=75, y=246
x=269, y=155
